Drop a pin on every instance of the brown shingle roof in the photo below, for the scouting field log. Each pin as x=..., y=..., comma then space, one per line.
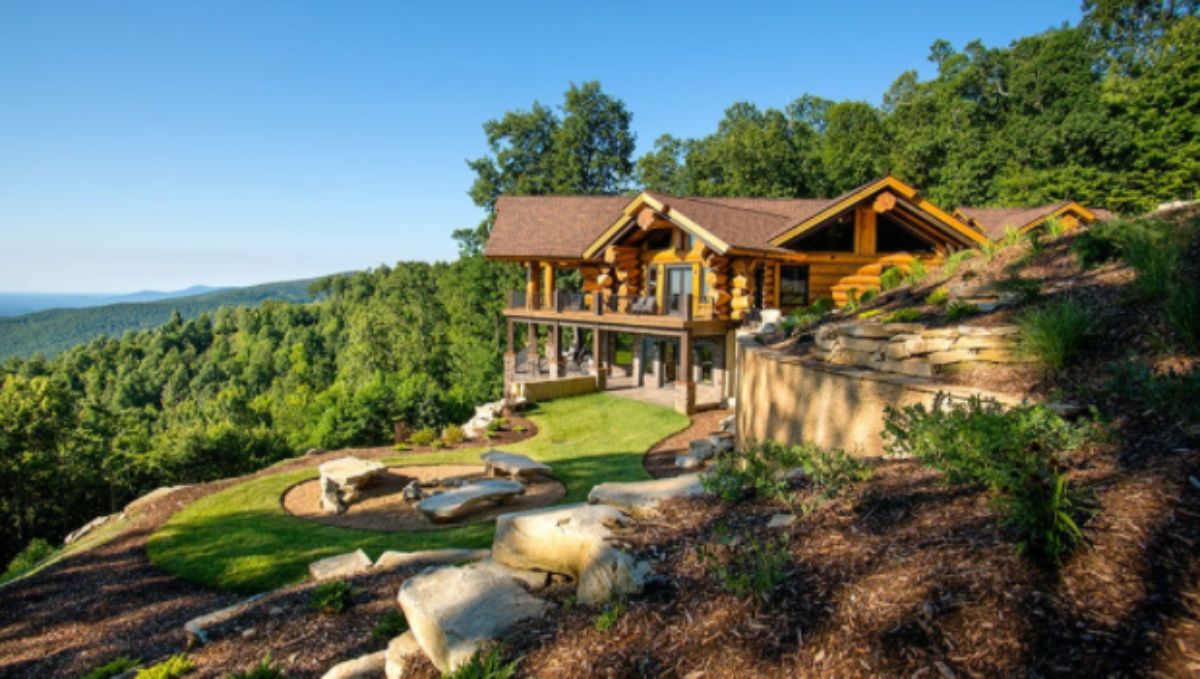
x=551, y=226
x=744, y=222
x=996, y=220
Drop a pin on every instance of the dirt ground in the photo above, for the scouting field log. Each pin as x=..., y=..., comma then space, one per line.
x=381, y=506
x=660, y=461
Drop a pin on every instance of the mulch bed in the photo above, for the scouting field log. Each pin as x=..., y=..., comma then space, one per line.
x=381, y=506
x=660, y=460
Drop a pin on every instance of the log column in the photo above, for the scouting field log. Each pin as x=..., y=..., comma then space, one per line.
x=599, y=338
x=554, y=352
x=510, y=360
x=685, y=384
x=639, y=343
x=534, y=361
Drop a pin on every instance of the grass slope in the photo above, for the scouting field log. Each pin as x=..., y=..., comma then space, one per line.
x=54, y=330
x=241, y=539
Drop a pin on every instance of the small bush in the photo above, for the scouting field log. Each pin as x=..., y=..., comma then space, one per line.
x=758, y=471
x=752, y=566
x=872, y=313
x=1012, y=453
x=868, y=296
x=905, y=315
x=955, y=261
x=402, y=447
x=520, y=429
x=423, y=437
x=891, y=279
x=1034, y=238
x=1157, y=252
x=1054, y=335
x=938, y=297
x=494, y=426
x=989, y=250
x=37, y=551
x=958, y=310
x=114, y=667
x=263, y=670
x=609, y=616
x=331, y=598
x=805, y=316
x=437, y=443
x=916, y=272
x=487, y=664
x=1012, y=236
x=391, y=625
x=1098, y=244
x=175, y=666
x=1055, y=227
x=453, y=435
x=1028, y=288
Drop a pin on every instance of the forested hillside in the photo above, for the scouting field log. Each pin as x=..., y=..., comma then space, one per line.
x=53, y=330
x=1105, y=112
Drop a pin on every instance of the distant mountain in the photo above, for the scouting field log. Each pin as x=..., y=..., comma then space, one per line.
x=53, y=330
x=18, y=303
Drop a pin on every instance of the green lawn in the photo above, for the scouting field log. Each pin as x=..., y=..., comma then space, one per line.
x=241, y=539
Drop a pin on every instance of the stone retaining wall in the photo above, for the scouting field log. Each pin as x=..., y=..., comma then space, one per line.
x=911, y=348
x=794, y=399
x=550, y=389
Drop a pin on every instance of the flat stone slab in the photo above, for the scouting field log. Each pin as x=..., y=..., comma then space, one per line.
x=464, y=501
x=351, y=471
x=572, y=540
x=512, y=464
x=453, y=611
x=340, y=566
x=391, y=560
x=641, y=498
x=197, y=628
x=368, y=666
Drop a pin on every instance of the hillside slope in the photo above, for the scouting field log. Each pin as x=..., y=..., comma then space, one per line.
x=54, y=330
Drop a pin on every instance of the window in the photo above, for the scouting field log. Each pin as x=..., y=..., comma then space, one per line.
x=793, y=286
x=837, y=236
x=705, y=356
x=704, y=282
x=659, y=239
x=892, y=236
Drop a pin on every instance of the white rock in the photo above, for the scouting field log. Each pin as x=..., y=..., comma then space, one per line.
x=331, y=497
x=351, y=471
x=400, y=655
x=197, y=628
x=781, y=520
x=721, y=443
x=572, y=540
x=391, y=560
x=412, y=492
x=340, y=566
x=452, y=611
x=689, y=461
x=468, y=499
x=512, y=464
x=729, y=424
x=702, y=449
x=369, y=666
x=86, y=528
x=772, y=316
x=641, y=498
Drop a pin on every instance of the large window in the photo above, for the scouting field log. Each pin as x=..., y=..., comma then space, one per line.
x=892, y=236
x=793, y=286
x=705, y=357
x=837, y=236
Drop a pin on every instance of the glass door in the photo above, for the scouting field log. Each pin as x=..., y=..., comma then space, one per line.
x=679, y=283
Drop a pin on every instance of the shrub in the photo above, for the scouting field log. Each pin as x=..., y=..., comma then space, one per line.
x=263, y=670
x=494, y=426
x=1055, y=334
x=37, y=551
x=1098, y=244
x=989, y=250
x=331, y=598
x=114, y=667
x=891, y=278
x=423, y=437
x=957, y=310
x=453, y=435
x=402, y=447
x=747, y=566
x=487, y=664
x=758, y=471
x=175, y=666
x=1055, y=227
x=905, y=315
x=1172, y=394
x=1012, y=236
x=955, y=261
x=1034, y=238
x=520, y=429
x=916, y=272
x=806, y=316
x=872, y=313
x=938, y=297
x=438, y=443
x=609, y=616
x=1027, y=288
x=1157, y=253
x=391, y=625
x=1011, y=453
x=867, y=296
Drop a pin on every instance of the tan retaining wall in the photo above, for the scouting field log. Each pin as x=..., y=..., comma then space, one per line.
x=796, y=400
x=548, y=390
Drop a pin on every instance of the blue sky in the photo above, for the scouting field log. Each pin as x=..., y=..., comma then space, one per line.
x=164, y=144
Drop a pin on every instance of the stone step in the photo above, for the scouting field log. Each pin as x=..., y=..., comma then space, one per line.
x=469, y=499
x=641, y=498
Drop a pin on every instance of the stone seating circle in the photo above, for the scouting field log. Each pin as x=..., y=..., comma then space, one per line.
x=343, y=478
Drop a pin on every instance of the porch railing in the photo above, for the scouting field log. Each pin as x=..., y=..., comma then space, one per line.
x=686, y=307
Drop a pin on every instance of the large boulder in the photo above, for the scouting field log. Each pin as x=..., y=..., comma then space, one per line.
x=573, y=540
x=343, y=478
x=452, y=611
x=469, y=499
x=641, y=498
x=368, y=666
x=391, y=560
x=401, y=653
x=340, y=566
x=511, y=464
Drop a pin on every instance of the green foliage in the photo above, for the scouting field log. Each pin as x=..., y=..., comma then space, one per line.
x=758, y=471
x=1173, y=395
x=37, y=551
x=747, y=565
x=1012, y=236
x=1098, y=243
x=1028, y=288
x=803, y=317
x=453, y=435
x=609, y=616
x=916, y=272
x=956, y=260
x=175, y=666
x=891, y=279
x=1054, y=228
x=989, y=250
x=116, y=666
x=423, y=437
x=1033, y=238
x=903, y=315
x=1012, y=453
x=957, y=310
x=485, y=664
x=331, y=598
x=265, y=669
x=391, y=625
x=871, y=313
x=1054, y=335
x=938, y=297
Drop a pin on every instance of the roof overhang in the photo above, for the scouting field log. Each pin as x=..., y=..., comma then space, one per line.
x=629, y=216
x=1080, y=211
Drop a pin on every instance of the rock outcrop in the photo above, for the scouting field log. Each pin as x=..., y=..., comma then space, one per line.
x=641, y=498
x=368, y=666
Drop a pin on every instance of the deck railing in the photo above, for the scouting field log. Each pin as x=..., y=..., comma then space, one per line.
x=686, y=306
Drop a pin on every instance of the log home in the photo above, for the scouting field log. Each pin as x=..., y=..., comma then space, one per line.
x=652, y=288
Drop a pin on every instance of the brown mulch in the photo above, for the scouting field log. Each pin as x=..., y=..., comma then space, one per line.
x=382, y=507
x=660, y=460
x=111, y=600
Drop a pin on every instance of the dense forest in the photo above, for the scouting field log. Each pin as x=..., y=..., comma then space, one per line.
x=1107, y=112
x=53, y=330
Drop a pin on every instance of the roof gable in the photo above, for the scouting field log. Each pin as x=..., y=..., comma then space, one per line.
x=996, y=221
x=555, y=227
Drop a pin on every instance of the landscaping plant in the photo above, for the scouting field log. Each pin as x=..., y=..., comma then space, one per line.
x=453, y=435
x=938, y=297
x=916, y=272
x=747, y=565
x=609, y=616
x=175, y=666
x=331, y=597
x=905, y=315
x=759, y=470
x=265, y=669
x=1012, y=453
x=957, y=310
x=891, y=278
x=37, y=551
x=423, y=437
x=485, y=664
x=115, y=667
x=1054, y=335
